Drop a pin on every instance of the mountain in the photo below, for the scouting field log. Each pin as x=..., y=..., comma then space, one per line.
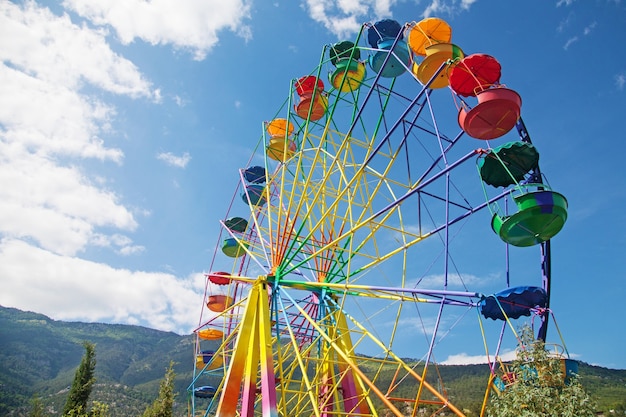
x=38, y=356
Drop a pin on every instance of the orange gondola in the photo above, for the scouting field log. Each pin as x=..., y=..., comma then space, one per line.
x=210, y=334
x=428, y=32
x=280, y=146
x=219, y=303
x=437, y=55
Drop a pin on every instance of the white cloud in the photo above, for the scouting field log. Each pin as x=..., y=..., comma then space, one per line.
x=131, y=250
x=56, y=206
x=620, y=80
x=180, y=102
x=48, y=126
x=449, y=7
x=157, y=97
x=440, y=7
x=466, y=4
x=192, y=24
x=566, y=22
x=173, y=160
x=124, y=244
x=51, y=119
x=564, y=2
x=424, y=325
x=569, y=42
x=67, y=288
x=587, y=30
x=455, y=281
x=465, y=359
x=345, y=17
x=54, y=50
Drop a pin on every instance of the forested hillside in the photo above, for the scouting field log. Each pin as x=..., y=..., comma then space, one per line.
x=38, y=356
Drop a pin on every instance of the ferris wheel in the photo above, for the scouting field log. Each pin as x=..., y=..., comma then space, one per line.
x=339, y=275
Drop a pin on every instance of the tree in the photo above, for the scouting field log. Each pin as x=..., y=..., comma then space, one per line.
x=84, y=379
x=537, y=386
x=162, y=406
x=99, y=409
x=37, y=409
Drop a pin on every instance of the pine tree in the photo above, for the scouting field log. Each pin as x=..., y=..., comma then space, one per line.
x=540, y=388
x=84, y=379
x=163, y=405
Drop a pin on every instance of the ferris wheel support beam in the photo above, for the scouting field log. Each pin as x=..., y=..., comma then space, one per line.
x=546, y=255
x=252, y=355
x=546, y=282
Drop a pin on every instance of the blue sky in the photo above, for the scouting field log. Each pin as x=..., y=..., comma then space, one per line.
x=123, y=125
